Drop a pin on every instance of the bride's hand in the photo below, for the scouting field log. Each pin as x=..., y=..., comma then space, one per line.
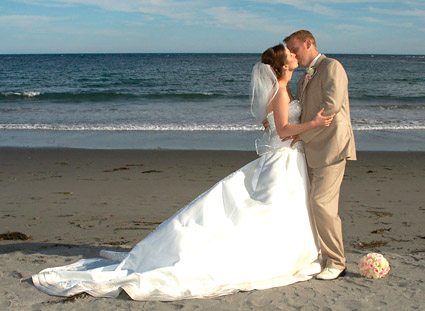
x=266, y=125
x=295, y=139
x=321, y=120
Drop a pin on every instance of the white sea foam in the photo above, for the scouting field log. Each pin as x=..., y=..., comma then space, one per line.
x=188, y=128
x=23, y=94
x=129, y=127
x=390, y=127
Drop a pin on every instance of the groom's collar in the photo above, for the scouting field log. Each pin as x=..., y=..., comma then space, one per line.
x=314, y=61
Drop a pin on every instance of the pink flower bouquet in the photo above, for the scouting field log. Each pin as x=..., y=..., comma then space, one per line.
x=374, y=266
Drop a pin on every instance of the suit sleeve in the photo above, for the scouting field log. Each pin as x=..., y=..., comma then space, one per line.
x=334, y=90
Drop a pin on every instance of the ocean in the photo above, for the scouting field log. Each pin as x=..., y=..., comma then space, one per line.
x=188, y=101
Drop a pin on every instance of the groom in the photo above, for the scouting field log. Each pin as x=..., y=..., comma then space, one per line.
x=324, y=85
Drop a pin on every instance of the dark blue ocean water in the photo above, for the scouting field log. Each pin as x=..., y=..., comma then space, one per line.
x=187, y=101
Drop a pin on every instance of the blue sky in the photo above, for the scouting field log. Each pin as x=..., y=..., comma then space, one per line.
x=167, y=26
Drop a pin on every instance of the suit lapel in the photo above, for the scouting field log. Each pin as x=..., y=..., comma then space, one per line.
x=304, y=82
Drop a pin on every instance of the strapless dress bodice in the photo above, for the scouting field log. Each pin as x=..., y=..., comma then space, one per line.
x=271, y=141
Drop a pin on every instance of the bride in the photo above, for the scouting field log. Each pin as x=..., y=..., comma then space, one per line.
x=252, y=230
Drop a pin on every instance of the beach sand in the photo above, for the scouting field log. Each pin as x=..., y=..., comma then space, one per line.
x=73, y=203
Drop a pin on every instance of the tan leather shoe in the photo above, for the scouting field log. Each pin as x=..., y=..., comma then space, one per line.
x=330, y=274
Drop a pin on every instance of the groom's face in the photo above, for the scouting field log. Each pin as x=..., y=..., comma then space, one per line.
x=299, y=48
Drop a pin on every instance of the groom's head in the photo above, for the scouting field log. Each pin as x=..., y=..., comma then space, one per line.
x=303, y=45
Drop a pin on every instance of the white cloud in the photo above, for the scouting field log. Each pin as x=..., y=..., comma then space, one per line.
x=356, y=1
x=46, y=3
x=300, y=3
x=349, y=27
x=186, y=12
x=224, y=16
x=305, y=5
x=29, y=22
x=332, y=8
x=370, y=19
x=163, y=20
x=168, y=8
x=415, y=12
x=383, y=22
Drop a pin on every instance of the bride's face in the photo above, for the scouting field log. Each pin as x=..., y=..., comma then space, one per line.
x=291, y=59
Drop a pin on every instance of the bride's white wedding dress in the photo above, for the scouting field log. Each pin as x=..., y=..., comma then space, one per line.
x=252, y=230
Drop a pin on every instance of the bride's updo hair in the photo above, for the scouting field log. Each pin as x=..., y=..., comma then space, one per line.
x=276, y=58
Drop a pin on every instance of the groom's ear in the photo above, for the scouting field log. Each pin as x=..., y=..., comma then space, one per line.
x=307, y=43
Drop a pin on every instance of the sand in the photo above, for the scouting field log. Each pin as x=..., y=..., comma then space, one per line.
x=73, y=203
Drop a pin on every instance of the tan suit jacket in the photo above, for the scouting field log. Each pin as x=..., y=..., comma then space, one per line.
x=328, y=88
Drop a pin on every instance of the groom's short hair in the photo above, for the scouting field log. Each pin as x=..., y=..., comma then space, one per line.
x=301, y=35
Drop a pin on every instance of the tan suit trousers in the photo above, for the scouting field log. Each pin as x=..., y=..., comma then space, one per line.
x=324, y=198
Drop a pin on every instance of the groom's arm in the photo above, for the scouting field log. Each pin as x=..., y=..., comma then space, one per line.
x=334, y=92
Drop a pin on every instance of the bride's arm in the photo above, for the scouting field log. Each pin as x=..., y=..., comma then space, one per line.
x=281, y=116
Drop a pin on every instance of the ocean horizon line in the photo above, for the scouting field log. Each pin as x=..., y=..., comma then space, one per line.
x=196, y=53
